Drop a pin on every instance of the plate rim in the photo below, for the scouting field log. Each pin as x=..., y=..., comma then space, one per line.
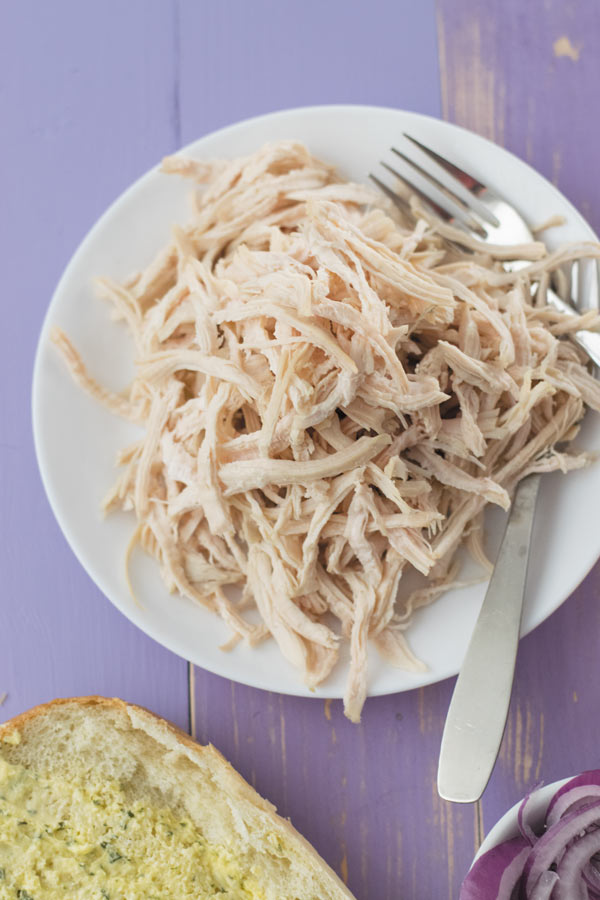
x=132, y=614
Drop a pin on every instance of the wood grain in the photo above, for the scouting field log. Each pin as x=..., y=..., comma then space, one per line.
x=85, y=102
x=365, y=796
x=525, y=75
x=241, y=59
x=90, y=96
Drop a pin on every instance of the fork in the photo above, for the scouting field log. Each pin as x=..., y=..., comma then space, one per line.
x=478, y=710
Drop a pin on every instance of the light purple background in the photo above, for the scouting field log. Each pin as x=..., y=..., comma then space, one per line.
x=91, y=95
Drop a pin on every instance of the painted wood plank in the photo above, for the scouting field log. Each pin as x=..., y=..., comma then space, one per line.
x=242, y=59
x=91, y=95
x=86, y=104
x=525, y=75
x=364, y=795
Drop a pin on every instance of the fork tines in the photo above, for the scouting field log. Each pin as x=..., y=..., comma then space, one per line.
x=448, y=191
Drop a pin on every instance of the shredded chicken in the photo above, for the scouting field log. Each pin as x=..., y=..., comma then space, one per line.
x=331, y=396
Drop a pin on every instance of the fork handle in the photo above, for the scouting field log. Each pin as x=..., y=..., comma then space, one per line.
x=479, y=706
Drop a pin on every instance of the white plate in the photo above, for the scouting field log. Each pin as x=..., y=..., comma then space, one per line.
x=508, y=826
x=76, y=440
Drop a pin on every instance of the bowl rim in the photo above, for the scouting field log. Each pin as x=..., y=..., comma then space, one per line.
x=507, y=825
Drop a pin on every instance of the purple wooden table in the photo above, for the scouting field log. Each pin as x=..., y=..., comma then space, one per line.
x=93, y=94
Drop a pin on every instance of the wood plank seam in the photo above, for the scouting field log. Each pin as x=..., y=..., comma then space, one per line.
x=191, y=680
x=176, y=115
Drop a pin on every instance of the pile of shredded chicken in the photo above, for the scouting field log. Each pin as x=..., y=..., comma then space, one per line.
x=330, y=397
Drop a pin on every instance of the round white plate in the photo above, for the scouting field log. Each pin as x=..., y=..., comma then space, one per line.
x=508, y=826
x=76, y=439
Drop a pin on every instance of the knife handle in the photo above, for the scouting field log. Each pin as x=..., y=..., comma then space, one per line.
x=479, y=707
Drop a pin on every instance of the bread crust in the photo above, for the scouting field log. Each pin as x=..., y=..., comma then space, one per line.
x=201, y=755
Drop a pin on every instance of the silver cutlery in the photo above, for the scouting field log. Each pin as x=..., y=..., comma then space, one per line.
x=478, y=710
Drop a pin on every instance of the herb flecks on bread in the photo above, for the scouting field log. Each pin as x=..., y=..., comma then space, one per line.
x=102, y=799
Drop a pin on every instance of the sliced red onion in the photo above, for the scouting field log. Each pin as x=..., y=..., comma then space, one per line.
x=524, y=826
x=570, y=869
x=571, y=800
x=553, y=842
x=589, y=778
x=591, y=875
x=544, y=887
x=561, y=863
x=497, y=873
